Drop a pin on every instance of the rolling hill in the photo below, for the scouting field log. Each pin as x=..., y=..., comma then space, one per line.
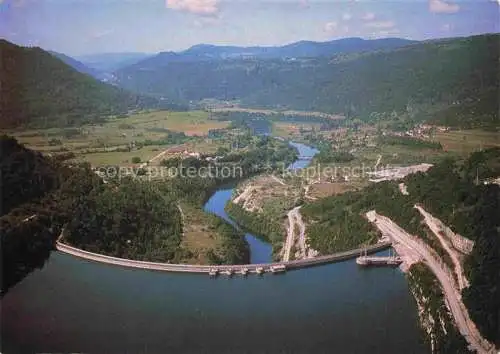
x=426, y=80
x=302, y=49
x=37, y=89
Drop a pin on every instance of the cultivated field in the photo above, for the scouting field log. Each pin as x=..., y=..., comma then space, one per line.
x=109, y=142
x=199, y=236
x=191, y=123
x=292, y=129
x=467, y=141
x=273, y=111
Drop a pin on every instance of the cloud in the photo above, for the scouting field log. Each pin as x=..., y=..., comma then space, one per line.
x=199, y=7
x=442, y=7
x=346, y=16
x=369, y=16
x=331, y=27
x=381, y=24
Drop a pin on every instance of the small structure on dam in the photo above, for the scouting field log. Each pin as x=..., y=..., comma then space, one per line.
x=245, y=270
x=280, y=268
x=392, y=260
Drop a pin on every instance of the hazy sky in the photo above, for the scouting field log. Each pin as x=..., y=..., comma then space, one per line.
x=77, y=27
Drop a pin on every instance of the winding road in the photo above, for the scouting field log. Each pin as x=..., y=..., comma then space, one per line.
x=294, y=218
x=436, y=227
x=463, y=322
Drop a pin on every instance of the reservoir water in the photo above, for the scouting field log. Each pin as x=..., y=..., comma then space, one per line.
x=73, y=305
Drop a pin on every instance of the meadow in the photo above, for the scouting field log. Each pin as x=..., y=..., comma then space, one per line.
x=113, y=142
x=467, y=141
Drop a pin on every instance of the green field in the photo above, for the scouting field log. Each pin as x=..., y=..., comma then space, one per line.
x=289, y=130
x=467, y=141
x=98, y=143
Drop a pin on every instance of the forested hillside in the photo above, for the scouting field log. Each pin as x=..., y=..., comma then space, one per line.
x=453, y=81
x=25, y=174
x=37, y=89
x=301, y=49
x=449, y=191
x=123, y=217
x=29, y=221
x=79, y=66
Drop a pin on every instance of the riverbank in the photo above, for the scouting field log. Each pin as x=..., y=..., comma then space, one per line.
x=262, y=206
x=188, y=268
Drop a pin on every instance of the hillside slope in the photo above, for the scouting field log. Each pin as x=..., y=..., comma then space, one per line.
x=428, y=80
x=38, y=89
x=84, y=69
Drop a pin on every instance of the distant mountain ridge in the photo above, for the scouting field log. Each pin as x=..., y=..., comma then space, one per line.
x=456, y=79
x=84, y=69
x=109, y=62
x=301, y=49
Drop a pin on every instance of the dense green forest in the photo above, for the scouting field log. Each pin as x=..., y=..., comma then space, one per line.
x=267, y=228
x=32, y=210
x=123, y=217
x=25, y=174
x=130, y=220
x=141, y=220
x=233, y=248
x=453, y=191
x=39, y=90
x=452, y=81
x=337, y=223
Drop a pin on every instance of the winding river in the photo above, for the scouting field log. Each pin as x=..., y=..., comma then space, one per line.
x=72, y=305
x=260, y=251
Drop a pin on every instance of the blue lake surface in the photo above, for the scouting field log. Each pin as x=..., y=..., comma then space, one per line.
x=73, y=305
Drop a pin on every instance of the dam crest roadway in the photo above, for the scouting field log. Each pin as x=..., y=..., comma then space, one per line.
x=243, y=269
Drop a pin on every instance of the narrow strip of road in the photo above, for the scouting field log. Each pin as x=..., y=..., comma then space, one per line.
x=464, y=324
x=302, y=232
x=435, y=226
x=189, y=268
x=290, y=238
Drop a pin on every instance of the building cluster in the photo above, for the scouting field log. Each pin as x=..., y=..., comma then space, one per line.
x=422, y=131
